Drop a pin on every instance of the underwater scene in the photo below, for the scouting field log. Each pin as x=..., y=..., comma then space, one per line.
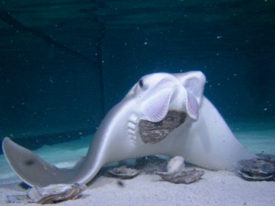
x=114, y=102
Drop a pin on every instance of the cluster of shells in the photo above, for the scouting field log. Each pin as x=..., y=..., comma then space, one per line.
x=175, y=170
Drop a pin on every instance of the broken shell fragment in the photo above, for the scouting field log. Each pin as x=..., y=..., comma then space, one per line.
x=176, y=164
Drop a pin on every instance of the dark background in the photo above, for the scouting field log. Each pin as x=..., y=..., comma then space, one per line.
x=63, y=65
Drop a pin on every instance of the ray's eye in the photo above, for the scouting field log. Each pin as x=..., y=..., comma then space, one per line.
x=141, y=84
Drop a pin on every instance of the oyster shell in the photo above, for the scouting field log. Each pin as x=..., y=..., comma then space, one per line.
x=185, y=177
x=50, y=194
x=123, y=172
x=155, y=132
x=257, y=169
x=176, y=174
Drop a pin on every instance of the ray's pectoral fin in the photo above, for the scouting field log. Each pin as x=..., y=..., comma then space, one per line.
x=31, y=168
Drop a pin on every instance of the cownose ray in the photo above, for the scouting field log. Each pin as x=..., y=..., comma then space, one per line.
x=140, y=125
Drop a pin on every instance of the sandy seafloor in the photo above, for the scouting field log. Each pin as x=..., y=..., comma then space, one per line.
x=215, y=187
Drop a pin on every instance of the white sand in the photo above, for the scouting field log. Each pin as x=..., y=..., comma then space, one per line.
x=215, y=188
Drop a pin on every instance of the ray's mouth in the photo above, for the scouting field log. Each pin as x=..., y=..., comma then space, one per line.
x=155, y=132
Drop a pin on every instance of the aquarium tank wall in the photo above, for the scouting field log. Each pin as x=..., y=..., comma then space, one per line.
x=65, y=64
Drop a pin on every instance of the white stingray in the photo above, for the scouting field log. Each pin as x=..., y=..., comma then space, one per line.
x=204, y=139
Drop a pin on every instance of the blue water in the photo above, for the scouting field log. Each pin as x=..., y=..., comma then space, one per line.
x=63, y=66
